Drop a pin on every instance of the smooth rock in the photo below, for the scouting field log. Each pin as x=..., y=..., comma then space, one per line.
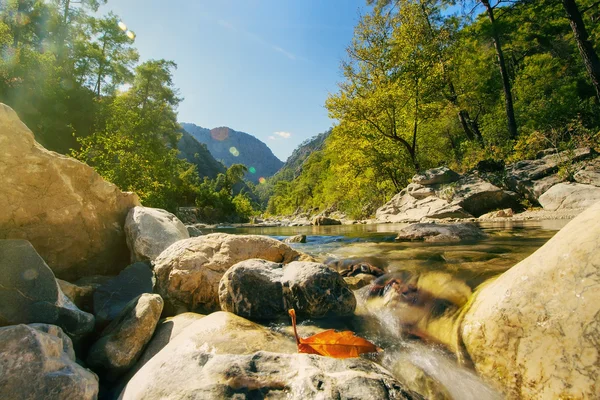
x=189, y=271
x=478, y=197
x=29, y=292
x=253, y=289
x=194, y=230
x=151, y=230
x=316, y=291
x=358, y=281
x=72, y=216
x=405, y=208
x=535, y=330
x=112, y=297
x=295, y=239
x=419, y=192
x=38, y=362
x=506, y=213
x=433, y=232
x=321, y=220
x=122, y=342
x=436, y=176
x=570, y=196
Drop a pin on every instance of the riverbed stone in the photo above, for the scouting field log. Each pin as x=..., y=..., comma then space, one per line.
x=534, y=331
x=295, y=239
x=112, y=297
x=151, y=230
x=223, y=355
x=72, y=216
x=434, y=232
x=358, y=281
x=29, y=292
x=322, y=220
x=253, y=289
x=570, y=196
x=188, y=272
x=121, y=343
x=38, y=362
x=436, y=176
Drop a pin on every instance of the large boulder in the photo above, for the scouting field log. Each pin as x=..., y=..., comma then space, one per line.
x=72, y=216
x=295, y=239
x=151, y=230
x=322, y=220
x=122, y=342
x=112, y=297
x=189, y=271
x=38, y=362
x=29, y=292
x=436, y=176
x=477, y=196
x=259, y=289
x=224, y=356
x=570, y=196
x=403, y=207
x=535, y=330
x=432, y=232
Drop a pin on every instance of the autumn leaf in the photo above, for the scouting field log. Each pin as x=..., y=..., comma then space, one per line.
x=334, y=344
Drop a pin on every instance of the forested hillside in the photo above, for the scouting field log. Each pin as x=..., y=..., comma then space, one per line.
x=75, y=79
x=433, y=82
x=233, y=147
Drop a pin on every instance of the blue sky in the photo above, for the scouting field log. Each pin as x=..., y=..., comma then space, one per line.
x=264, y=67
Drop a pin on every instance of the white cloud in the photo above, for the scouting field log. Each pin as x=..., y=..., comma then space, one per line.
x=272, y=138
x=285, y=135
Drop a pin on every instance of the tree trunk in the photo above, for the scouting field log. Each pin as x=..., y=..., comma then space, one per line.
x=586, y=49
x=508, y=100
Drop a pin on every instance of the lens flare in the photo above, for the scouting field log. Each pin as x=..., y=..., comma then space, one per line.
x=234, y=151
x=130, y=35
x=122, y=26
x=262, y=180
x=252, y=170
x=219, y=134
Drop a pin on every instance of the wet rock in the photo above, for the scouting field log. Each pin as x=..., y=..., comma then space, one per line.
x=260, y=289
x=72, y=216
x=38, y=362
x=433, y=232
x=436, y=176
x=295, y=239
x=405, y=208
x=358, y=281
x=534, y=331
x=477, y=196
x=570, y=196
x=321, y=220
x=316, y=290
x=151, y=230
x=224, y=355
x=111, y=298
x=253, y=289
x=360, y=268
x=506, y=213
x=123, y=341
x=29, y=292
x=189, y=271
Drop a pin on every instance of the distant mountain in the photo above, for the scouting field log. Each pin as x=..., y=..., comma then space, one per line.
x=197, y=153
x=233, y=147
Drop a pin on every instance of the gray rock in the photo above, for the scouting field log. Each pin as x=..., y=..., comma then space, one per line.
x=151, y=230
x=419, y=192
x=506, y=213
x=478, y=197
x=321, y=220
x=194, y=231
x=405, y=208
x=69, y=213
x=436, y=176
x=111, y=298
x=29, y=292
x=38, y=362
x=432, y=232
x=570, y=196
x=295, y=239
x=252, y=289
x=122, y=342
x=588, y=177
x=316, y=290
x=259, y=289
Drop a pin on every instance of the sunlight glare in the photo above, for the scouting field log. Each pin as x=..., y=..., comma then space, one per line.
x=252, y=170
x=122, y=26
x=262, y=180
x=234, y=151
x=130, y=35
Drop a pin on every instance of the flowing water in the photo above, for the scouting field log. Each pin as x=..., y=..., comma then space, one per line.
x=446, y=273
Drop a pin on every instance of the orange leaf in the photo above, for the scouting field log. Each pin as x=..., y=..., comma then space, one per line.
x=330, y=343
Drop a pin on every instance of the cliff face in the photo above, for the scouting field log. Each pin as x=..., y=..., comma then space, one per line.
x=197, y=153
x=233, y=147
